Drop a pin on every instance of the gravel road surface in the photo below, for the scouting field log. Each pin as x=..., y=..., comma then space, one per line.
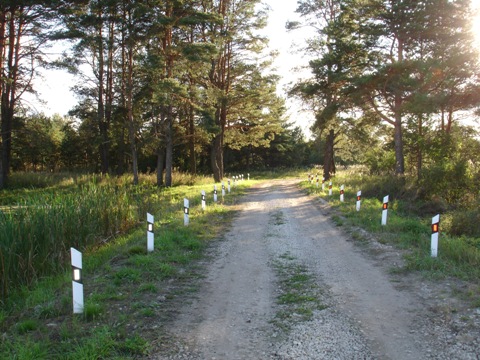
x=367, y=312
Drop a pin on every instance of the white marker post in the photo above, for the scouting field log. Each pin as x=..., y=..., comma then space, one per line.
x=317, y=181
x=342, y=193
x=186, y=209
x=223, y=189
x=385, y=210
x=359, y=199
x=323, y=183
x=228, y=186
x=248, y=176
x=435, y=229
x=204, y=200
x=330, y=187
x=234, y=179
x=215, y=193
x=77, y=281
x=150, y=234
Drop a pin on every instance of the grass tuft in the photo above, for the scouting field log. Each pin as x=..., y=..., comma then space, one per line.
x=300, y=295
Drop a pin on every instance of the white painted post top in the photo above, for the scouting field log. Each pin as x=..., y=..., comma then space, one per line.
x=385, y=199
x=436, y=219
x=150, y=218
x=76, y=258
x=359, y=193
x=186, y=203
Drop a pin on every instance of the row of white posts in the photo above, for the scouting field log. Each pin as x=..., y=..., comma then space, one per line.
x=76, y=256
x=186, y=208
x=435, y=219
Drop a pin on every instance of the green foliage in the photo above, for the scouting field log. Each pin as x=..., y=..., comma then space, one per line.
x=402, y=74
x=129, y=291
x=134, y=346
x=92, y=311
x=26, y=326
x=38, y=232
x=380, y=161
x=38, y=227
x=448, y=180
x=42, y=143
x=463, y=222
x=408, y=225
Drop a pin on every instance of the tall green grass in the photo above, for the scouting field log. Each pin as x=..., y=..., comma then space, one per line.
x=36, y=234
x=39, y=224
x=128, y=292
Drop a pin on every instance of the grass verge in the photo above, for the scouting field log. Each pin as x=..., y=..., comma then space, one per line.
x=458, y=256
x=129, y=294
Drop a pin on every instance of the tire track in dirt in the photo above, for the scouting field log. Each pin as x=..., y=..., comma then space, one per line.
x=230, y=317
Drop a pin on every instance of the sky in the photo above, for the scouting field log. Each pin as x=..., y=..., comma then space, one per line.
x=55, y=87
x=288, y=59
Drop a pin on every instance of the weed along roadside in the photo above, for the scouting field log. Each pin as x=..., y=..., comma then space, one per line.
x=136, y=284
x=131, y=278
x=428, y=247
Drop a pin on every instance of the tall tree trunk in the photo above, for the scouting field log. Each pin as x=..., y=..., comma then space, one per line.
x=160, y=164
x=448, y=129
x=167, y=44
x=220, y=78
x=419, y=149
x=6, y=128
x=398, y=140
x=102, y=126
x=129, y=100
x=217, y=145
x=329, y=156
x=3, y=25
x=9, y=88
x=191, y=140
x=121, y=161
x=169, y=147
x=398, y=133
x=132, y=137
x=217, y=158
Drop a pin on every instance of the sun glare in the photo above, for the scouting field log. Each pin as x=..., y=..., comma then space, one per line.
x=476, y=22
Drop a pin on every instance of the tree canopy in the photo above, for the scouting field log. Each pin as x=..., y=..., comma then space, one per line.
x=155, y=78
x=409, y=65
x=188, y=84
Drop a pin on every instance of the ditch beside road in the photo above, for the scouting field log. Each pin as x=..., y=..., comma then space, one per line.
x=286, y=283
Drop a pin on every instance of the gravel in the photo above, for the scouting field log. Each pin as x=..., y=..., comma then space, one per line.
x=366, y=312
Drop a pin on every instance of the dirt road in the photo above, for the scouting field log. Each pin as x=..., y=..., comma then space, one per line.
x=366, y=313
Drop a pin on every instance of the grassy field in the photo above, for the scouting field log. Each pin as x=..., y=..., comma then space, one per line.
x=128, y=292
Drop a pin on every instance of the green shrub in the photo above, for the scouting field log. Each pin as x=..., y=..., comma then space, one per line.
x=450, y=180
x=464, y=222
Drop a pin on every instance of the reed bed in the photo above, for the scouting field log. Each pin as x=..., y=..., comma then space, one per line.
x=39, y=223
x=37, y=234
